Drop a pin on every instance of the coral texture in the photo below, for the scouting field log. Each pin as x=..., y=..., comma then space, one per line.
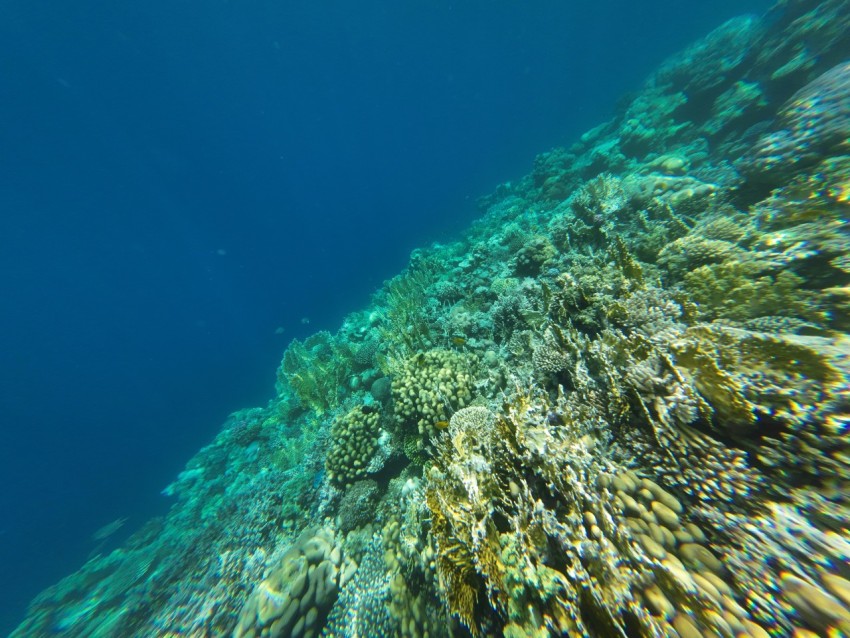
x=296, y=596
x=617, y=405
x=354, y=442
x=815, y=122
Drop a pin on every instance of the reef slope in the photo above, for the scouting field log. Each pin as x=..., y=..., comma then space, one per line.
x=616, y=406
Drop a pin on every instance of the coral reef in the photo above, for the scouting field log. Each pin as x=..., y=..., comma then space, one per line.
x=815, y=122
x=354, y=442
x=429, y=386
x=316, y=370
x=617, y=405
x=533, y=256
x=357, y=507
x=296, y=596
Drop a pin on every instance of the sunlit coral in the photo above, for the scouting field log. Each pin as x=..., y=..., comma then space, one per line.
x=619, y=405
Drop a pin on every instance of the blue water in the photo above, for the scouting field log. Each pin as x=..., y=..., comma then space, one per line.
x=181, y=179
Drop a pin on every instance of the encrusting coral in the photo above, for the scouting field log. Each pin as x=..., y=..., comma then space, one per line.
x=618, y=405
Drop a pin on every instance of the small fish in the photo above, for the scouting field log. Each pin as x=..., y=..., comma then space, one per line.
x=108, y=530
x=441, y=425
x=458, y=341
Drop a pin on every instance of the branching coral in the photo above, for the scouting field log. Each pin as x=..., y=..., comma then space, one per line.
x=786, y=259
x=406, y=327
x=567, y=542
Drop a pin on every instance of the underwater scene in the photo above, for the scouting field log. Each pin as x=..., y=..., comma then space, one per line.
x=617, y=404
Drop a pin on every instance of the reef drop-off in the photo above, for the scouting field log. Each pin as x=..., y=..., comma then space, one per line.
x=616, y=406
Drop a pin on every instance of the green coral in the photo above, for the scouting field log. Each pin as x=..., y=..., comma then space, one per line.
x=792, y=386
x=354, y=440
x=787, y=259
x=404, y=299
x=741, y=290
x=650, y=120
x=414, y=449
x=742, y=98
x=357, y=507
x=533, y=256
x=317, y=370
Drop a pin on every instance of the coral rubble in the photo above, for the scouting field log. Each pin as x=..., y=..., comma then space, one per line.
x=618, y=405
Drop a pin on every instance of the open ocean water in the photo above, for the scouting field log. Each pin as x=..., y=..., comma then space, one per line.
x=465, y=440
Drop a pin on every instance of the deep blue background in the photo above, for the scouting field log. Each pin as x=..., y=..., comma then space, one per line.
x=179, y=178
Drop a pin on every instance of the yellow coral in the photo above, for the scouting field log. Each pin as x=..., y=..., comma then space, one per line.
x=429, y=387
x=354, y=440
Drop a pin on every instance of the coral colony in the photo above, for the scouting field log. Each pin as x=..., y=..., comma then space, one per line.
x=616, y=406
